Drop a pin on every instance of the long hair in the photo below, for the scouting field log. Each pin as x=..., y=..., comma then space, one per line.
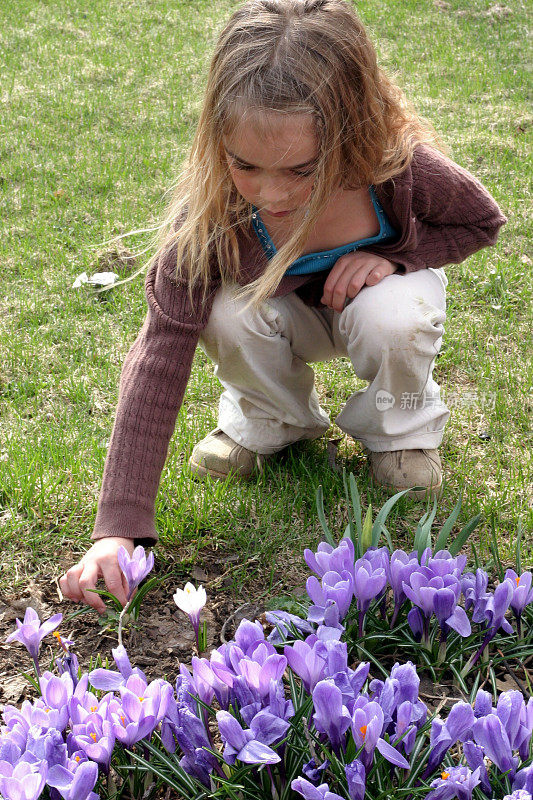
x=287, y=56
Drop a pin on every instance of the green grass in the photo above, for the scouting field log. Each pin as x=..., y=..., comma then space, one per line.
x=98, y=105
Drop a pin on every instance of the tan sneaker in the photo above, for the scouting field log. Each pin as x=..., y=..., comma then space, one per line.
x=397, y=470
x=217, y=455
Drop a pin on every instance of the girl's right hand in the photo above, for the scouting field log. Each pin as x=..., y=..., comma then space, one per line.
x=98, y=562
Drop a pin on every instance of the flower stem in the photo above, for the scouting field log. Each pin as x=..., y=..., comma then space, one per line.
x=469, y=664
x=121, y=621
x=37, y=670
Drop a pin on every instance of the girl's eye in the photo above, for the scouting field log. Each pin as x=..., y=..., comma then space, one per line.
x=248, y=168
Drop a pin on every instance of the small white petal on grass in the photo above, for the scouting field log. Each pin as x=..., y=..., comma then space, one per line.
x=103, y=278
x=81, y=279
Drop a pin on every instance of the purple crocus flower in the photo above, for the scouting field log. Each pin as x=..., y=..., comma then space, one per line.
x=283, y=621
x=520, y=794
x=96, y=738
x=368, y=721
x=46, y=745
x=259, y=673
x=9, y=750
x=308, y=660
x=438, y=595
x=141, y=708
x=25, y=781
x=135, y=567
x=250, y=746
x=475, y=759
x=443, y=563
x=56, y=693
x=248, y=635
x=483, y=704
x=401, y=566
x=331, y=716
x=524, y=779
x=74, y=783
x=331, y=559
x=30, y=632
x=522, y=594
x=313, y=772
x=490, y=609
x=332, y=597
x=310, y=792
x=356, y=777
x=474, y=586
x=109, y=680
x=207, y=679
x=517, y=718
x=456, y=782
x=490, y=733
x=369, y=582
x=445, y=734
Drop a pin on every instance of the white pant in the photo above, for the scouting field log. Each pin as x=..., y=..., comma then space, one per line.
x=391, y=332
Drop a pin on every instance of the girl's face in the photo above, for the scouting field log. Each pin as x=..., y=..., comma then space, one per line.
x=272, y=159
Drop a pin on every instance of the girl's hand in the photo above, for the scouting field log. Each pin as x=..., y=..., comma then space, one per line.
x=350, y=273
x=99, y=561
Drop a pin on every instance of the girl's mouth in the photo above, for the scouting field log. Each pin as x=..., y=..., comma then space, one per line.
x=278, y=213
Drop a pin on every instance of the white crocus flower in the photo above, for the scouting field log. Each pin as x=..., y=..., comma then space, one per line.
x=191, y=601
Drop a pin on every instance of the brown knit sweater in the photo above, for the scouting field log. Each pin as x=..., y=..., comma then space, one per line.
x=442, y=213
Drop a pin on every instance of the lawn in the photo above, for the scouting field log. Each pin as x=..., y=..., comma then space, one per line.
x=99, y=104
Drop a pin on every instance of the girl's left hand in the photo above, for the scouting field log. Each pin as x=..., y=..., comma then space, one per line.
x=350, y=273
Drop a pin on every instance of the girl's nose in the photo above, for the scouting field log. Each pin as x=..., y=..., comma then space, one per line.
x=273, y=190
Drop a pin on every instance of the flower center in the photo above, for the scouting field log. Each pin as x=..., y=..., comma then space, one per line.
x=94, y=708
x=93, y=736
x=363, y=730
x=445, y=775
x=517, y=581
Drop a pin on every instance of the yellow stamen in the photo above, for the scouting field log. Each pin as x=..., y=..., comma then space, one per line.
x=141, y=699
x=76, y=758
x=47, y=710
x=363, y=730
x=94, y=708
x=123, y=720
x=60, y=641
x=517, y=581
x=93, y=736
x=445, y=775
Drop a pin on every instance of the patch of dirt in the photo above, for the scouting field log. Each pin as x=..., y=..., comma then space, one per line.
x=158, y=642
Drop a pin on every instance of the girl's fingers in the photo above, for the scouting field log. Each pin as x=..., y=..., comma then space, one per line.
x=334, y=275
x=348, y=284
x=69, y=583
x=375, y=275
x=114, y=581
x=88, y=580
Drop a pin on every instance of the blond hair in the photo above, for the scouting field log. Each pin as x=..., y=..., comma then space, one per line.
x=287, y=56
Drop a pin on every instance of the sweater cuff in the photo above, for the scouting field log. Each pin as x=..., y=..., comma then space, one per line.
x=126, y=521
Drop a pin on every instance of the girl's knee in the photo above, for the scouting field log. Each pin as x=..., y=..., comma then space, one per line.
x=232, y=319
x=400, y=321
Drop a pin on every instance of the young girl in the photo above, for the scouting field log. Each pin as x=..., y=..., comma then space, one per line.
x=312, y=220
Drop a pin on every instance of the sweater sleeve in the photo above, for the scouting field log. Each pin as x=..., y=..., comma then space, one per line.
x=152, y=384
x=453, y=213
